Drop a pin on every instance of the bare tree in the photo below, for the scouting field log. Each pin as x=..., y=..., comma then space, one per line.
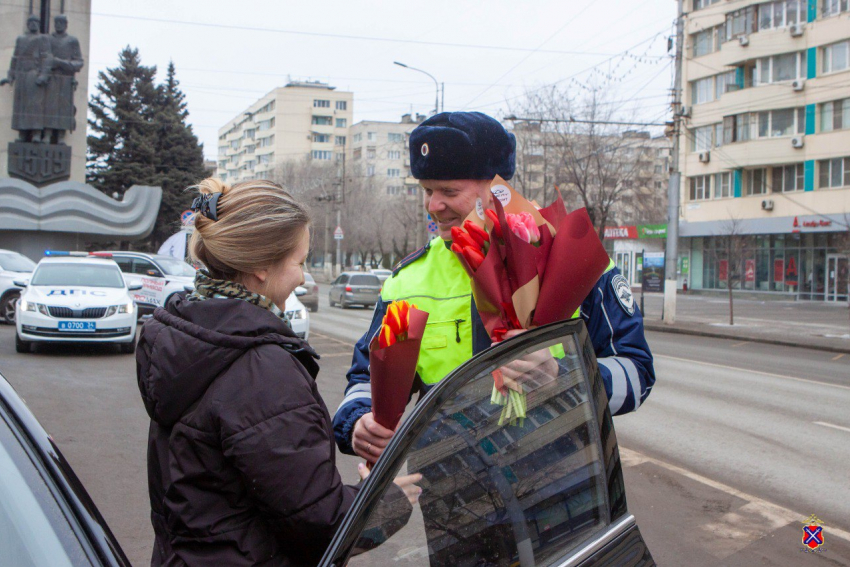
x=597, y=165
x=731, y=251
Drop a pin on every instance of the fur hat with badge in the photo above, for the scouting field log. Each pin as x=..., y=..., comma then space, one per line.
x=462, y=145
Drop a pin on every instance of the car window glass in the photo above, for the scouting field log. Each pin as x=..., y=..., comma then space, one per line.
x=175, y=267
x=342, y=280
x=91, y=275
x=142, y=266
x=33, y=529
x=124, y=263
x=14, y=262
x=365, y=279
x=523, y=493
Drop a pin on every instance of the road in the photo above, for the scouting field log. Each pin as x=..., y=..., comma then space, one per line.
x=737, y=444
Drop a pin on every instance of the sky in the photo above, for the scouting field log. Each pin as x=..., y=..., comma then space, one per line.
x=488, y=53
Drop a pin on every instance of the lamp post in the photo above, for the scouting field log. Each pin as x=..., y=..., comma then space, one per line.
x=436, y=84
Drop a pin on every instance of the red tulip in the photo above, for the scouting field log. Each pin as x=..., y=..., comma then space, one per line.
x=473, y=257
x=478, y=234
x=494, y=218
x=386, y=337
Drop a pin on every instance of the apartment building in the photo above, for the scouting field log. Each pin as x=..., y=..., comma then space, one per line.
x=766, y=146
x=302, y=120
x=380, y=151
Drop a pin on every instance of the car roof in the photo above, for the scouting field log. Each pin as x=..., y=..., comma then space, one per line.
x=130, y=253
x=11, y=251
x=76, y=260
x=358, y=274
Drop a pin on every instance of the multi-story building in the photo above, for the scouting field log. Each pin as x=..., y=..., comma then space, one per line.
x=302, y=120
x=380, y=150
x=765, y=155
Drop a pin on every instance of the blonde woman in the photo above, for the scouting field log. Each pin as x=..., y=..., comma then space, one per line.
x=241, y=458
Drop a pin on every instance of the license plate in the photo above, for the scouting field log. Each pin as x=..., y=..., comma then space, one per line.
x=77, y=326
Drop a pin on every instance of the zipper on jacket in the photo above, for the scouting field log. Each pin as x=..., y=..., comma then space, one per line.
x=456, y=323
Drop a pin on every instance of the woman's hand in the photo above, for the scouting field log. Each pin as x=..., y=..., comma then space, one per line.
x=370, y=438
x=407, y=483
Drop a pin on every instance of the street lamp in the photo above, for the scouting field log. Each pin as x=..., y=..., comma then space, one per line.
x=436, y=84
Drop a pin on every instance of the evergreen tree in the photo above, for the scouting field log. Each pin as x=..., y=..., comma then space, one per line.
x=180, y=158
x=122, y=137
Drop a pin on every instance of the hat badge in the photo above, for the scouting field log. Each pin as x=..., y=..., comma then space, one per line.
x=425, y=149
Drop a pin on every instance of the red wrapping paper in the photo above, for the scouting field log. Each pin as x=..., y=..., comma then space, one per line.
x=392, y=370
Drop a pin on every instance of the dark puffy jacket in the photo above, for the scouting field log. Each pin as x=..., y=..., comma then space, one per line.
x=241, y=458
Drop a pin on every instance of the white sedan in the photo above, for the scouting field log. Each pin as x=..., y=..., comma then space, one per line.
x=297, y=316
x=72, y=298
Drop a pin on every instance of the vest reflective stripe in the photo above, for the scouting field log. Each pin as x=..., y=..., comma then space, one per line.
x=438, y=284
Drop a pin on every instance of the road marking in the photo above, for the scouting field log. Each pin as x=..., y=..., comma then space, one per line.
x=335, y=354
x=839, y=356
x=330, y=338
x=767, y=509
x=740, y=344
x=825, y=424
x=739, y=369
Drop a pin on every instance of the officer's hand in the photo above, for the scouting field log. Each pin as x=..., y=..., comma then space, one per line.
x=370, y=438
x=539, y=366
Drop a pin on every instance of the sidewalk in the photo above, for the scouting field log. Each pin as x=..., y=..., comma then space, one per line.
x=810, y=324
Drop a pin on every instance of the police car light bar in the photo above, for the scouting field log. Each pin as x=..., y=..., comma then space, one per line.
x=64, y=253
x=101, y=254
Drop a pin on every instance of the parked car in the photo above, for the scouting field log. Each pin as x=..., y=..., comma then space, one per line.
x=297, y=316
x=72, y=297
x=46, y=516
x=160, y=277
x=353, y=288
x=13, y=266
x=382, y=274
x=547, y=490
x=310, y=297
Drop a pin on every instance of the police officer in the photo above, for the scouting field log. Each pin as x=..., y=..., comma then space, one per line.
x=455, y=156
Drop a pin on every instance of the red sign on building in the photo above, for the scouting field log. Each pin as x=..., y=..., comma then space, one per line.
x=779, y=270
x=750, y=271
x=723, y=270
x=621, y=232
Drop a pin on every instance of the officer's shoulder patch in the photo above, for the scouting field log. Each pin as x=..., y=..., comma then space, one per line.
x=623, y=291
x=409, y=259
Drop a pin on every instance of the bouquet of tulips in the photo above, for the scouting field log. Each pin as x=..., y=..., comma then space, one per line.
x=393, y=355
x=529, y=267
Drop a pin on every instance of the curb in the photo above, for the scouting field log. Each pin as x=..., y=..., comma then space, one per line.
x=662, y=328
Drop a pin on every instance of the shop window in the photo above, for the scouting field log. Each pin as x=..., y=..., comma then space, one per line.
x=834, y=172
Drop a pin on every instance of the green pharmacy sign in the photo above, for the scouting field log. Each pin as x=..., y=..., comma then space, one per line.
x=652, y=231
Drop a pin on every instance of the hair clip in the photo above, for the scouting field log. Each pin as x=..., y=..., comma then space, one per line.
x=207, y=205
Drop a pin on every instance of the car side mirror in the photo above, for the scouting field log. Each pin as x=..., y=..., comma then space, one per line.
x=134, y=287
x=299, y=291
x=21, y=283
x=154, y=273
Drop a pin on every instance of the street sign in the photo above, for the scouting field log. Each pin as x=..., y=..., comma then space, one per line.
x=187, y=217
x=338, y=234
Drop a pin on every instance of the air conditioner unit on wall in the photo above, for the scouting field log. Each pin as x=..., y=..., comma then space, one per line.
x=744, y=40
x=797, y=142
x=798, y=84
x=796, y=30
x=704, y=157
x=767, y=204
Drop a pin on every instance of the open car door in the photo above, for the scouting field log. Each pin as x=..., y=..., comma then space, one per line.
x=547, y=490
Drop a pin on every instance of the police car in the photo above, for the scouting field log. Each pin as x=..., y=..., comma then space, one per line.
x=13, y=266
x=76, y=297
x=296, y=314
x=160, y=277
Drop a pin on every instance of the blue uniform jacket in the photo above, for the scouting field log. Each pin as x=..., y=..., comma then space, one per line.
x=625, y=361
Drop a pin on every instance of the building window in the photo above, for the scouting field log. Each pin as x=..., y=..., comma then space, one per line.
x=835, y=115
x=708, y=41
x=700, y=4
x=266, y=124
x=782, y=13
x=323, y=154
x=371, y=136
x=265, y=159
x=779, y=68
x=779, y=123
x=393, y=190
x=740, y=22
x=756, y=181
x=323, y=121
x=393, y=154
x=358, y=153
x=700, y=187
x=250, y=134
x=736, y=128
x=339, y=141
x=357, y=137
x=394, y=137
x=702, y=90
x=370, y=170
x=723, y=185
x=788, y=178
x=833, y=7
x=834, y=172
x=342, y=105
x=268, y=107
x=701, y=140
x=393, y=173
x=370, y=153
x=413, y=191
x=264, y=142
x=836, y=57
x=321, y=103
x=659, y=169
x=341, y=122
x=321, y=138
x=725, y=82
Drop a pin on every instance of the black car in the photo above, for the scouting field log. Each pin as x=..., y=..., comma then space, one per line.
x=547, y=490
x=46, y=516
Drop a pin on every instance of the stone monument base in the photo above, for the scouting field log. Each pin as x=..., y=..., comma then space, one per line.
x=39, y=164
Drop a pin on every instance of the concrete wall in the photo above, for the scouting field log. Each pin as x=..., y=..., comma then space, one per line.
x=13, y=19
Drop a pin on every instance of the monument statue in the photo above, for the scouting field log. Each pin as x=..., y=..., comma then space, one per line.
x=66, y=61
x=29, y=72
x=42, y=71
